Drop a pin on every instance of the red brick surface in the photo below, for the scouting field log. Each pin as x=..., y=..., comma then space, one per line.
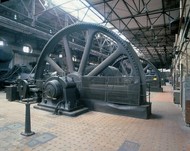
x=93, y=131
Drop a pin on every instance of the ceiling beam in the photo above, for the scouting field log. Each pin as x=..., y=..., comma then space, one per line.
x=158, y=11
x=163, y=7
x=138, y=25
x=156, y=27
x=123, y=23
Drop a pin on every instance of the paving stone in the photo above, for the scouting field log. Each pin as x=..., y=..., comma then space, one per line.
x=14, y=126
x=3, y=128
x=94, y=131
x=33, y=143
x=129, y=146
x=45, y=137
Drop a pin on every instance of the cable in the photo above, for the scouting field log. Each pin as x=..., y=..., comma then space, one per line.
x=58, y=106
x=31, y=71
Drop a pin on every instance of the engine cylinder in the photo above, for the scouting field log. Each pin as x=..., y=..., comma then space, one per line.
x=53, y=89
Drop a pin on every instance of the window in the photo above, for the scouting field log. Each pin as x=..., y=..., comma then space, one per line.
x=27, y=49
x=2, y=43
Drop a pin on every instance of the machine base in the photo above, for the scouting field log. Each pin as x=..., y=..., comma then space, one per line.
x=143, y=111
x=27, y=134
x=12, y=93
x=73, y=113
x=156, y=89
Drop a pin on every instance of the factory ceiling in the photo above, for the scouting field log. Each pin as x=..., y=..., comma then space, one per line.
x=150, y=25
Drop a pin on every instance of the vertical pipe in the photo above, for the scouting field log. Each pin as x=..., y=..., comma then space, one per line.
x=27, y=131
x=33, y=13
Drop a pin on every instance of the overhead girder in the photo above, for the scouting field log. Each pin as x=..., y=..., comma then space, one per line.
x=147, y=19
x=126, y=26
x=144, y=14
x=142, y=30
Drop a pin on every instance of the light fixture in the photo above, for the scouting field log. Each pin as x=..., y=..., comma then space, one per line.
x=46, y=3
x=98, y=36
x=60, y=55
x=15, y=16
x=74, y=58
x=151, y=27
x=145, y=8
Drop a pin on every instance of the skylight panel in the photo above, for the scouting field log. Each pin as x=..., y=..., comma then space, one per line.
x=58, y=2
x=82, y=10
x=91, y=17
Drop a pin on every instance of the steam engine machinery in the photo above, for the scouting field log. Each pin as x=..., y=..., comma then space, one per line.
x=153, y=76
x=75, y=73
x=9, y=75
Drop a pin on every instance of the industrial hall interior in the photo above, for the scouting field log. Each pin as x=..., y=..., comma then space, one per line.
x=94, y=75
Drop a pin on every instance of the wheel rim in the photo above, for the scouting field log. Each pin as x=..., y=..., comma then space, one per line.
x=147, y=65
x=63, y=34
x=91, y=30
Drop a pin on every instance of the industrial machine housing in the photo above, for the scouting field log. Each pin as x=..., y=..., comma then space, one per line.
x=91, y=81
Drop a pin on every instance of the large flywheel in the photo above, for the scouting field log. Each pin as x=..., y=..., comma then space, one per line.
x=85, y=46
x=152, y=75
x=89, y=33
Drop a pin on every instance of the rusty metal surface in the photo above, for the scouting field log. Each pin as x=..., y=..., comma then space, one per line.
x=94, y=131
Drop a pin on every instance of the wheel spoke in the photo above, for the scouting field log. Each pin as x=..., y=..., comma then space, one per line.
x=68, y=55
x=89, y=37
x=147, y=66
x=124, y=69
x=129, y=66
x=105, y=63
x=54, y=65
x=131, y=73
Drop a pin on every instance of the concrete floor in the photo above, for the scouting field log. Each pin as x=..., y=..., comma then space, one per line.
x=93, y=131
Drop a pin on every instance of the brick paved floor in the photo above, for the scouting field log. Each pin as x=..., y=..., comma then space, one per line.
x=93, y=131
